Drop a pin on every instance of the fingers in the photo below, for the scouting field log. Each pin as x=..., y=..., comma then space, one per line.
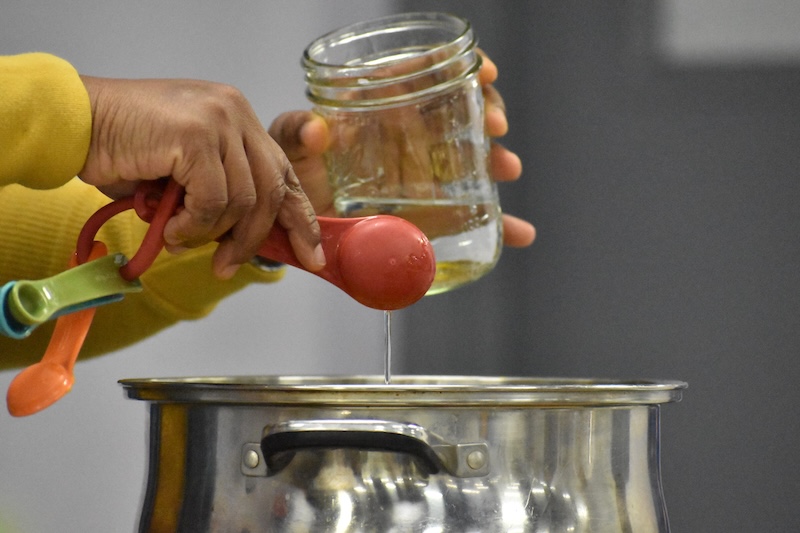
x=278, y=196
x=255, y=193
x=517, y=233
x=205, y=199
x=300, y=134
x=304, y=136
x=237, y=182
x=496, y=122
x=488, y=72
x=504, y=164
x=300, y=222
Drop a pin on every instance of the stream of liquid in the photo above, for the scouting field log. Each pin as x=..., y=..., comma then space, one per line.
x=387, y=355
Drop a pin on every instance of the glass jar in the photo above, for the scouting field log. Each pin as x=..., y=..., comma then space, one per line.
x=404, y=107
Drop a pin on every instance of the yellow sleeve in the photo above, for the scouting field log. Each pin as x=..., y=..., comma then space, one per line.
x=39, y=232
x=45, y=121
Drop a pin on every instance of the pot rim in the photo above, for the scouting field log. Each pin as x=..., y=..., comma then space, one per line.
x=405, y=391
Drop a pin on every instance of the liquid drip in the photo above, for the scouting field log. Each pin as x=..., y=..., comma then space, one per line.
x=387, y=356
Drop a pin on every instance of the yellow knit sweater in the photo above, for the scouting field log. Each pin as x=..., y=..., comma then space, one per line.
x=45, y=129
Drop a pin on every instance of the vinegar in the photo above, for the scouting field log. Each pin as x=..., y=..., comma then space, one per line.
x=387, y=355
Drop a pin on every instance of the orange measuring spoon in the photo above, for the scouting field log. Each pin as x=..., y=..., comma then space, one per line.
x=44, y=383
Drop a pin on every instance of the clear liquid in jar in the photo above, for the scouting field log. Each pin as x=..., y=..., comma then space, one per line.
x=466, y=236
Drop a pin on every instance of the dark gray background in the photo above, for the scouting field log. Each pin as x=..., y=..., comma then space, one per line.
x=666, y=199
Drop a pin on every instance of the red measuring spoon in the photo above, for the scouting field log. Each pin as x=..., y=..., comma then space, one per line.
x=381, y=261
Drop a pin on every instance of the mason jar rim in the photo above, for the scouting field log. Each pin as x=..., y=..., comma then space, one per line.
x=390, y=101
x=383, y=24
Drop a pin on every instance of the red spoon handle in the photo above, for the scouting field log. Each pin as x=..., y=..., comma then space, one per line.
x=278, y=247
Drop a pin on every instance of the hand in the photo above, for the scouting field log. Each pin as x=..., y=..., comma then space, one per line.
x=504, y=164
x=304, y=137
x=205, y=136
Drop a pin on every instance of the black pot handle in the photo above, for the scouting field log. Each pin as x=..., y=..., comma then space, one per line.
x=463, y=460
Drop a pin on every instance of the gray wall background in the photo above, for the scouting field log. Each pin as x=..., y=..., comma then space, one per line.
x=660, y=155
x=661, y=171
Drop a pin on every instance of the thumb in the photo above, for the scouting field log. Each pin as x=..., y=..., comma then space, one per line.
x=300, y=134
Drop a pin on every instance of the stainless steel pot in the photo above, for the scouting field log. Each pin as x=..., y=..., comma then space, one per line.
x=423, y=454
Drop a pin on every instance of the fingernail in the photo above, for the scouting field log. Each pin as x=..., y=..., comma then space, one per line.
x=305, y=130
x=175, y=248
x=319, y=256
x=313, y=136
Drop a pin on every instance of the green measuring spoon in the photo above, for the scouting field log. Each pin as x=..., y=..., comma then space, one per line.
x=35, y=302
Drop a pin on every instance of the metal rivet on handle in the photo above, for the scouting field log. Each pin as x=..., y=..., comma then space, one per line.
x=476, y=459
x=251, y=459
x=253, y=464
